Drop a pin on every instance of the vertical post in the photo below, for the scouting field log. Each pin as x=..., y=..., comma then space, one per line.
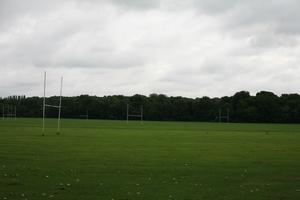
x=44, y=103
x=3, y=112
x=59, y=107
x=220, y=113
x=87, y=114
x=142, y=114
x=127, y=113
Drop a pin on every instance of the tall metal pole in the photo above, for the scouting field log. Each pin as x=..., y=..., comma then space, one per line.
x=44, y=103
x=59, y=107
x=127, y=113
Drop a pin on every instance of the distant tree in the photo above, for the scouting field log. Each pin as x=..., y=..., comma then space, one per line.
x=268, y=107
x=263, y=107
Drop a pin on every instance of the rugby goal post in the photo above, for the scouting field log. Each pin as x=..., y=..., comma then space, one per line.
x=52, y=106
x=11, y=111
x=221, y=116
x=140, y=115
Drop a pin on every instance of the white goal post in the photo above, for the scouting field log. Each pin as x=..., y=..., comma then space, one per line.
x=11, y=111
x=221, y=116
x=53, y=106
x=134, y=115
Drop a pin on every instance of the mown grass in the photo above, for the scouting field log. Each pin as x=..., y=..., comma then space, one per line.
x=157, y=160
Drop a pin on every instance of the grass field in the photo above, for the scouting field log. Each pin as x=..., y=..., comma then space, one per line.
x=157, y=160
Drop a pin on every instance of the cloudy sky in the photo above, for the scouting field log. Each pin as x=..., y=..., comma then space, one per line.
x=191, y=48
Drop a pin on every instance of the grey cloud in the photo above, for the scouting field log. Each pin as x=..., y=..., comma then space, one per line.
x=138, y=4
x=11, y=10
x=276, y=16
x=273, y=40
x=192, y=48
x=215, y=6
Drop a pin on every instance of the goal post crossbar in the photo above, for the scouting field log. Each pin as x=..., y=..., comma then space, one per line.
x=53, y=106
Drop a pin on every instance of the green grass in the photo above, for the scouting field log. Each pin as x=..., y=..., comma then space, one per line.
x=157, y=160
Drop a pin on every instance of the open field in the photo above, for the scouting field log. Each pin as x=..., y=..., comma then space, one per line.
x=157, y=160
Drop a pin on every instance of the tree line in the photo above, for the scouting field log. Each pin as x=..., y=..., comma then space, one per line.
x=242, y=107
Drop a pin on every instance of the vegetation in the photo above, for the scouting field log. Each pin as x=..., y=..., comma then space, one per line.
x=263, y=107
x=157, y=160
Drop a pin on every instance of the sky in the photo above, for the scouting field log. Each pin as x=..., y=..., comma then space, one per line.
x=189, y=48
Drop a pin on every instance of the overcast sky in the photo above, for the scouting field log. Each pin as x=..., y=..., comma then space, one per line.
x=191, y=48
